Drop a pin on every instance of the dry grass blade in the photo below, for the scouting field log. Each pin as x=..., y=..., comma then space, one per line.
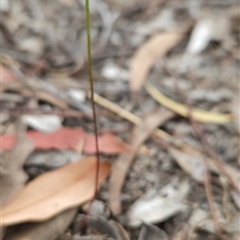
x=54, y=192
x=148, y=53
x=51, y=98
x=198, y=114
x=116, y=109
x=120, y=169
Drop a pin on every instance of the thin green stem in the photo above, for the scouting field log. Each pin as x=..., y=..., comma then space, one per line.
x=88, y=25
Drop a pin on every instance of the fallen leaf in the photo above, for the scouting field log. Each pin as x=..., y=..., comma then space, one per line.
x=197, y=114
x=108, y=144
x=121, y=166
x=54, y=192
x=46, y=230
x=68, y=138
x=144, y=58
x=64, y=138
x=158, y=205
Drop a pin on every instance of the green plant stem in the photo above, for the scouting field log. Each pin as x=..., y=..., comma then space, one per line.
x=88, y=25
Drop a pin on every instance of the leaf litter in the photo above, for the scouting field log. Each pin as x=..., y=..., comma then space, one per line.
x=50, y=79
x=53, y=192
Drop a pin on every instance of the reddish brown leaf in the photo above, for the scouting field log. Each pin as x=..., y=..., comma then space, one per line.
x=108, y=144
x=54, y=192
x=68, y=138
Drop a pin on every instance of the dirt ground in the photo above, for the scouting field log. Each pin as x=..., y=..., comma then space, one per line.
x=183, y=185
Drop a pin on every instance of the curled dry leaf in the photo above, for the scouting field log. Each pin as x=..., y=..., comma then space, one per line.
x=197, y=114
x=68, y=138
x=54, y=192
x=147, y=54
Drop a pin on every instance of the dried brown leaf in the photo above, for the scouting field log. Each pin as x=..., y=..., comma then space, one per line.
x=68, y=138
x=144, y=58
x=46, y=230
x=120, y=169
x=54, y=192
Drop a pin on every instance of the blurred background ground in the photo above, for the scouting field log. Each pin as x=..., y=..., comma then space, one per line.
x=43, y=47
